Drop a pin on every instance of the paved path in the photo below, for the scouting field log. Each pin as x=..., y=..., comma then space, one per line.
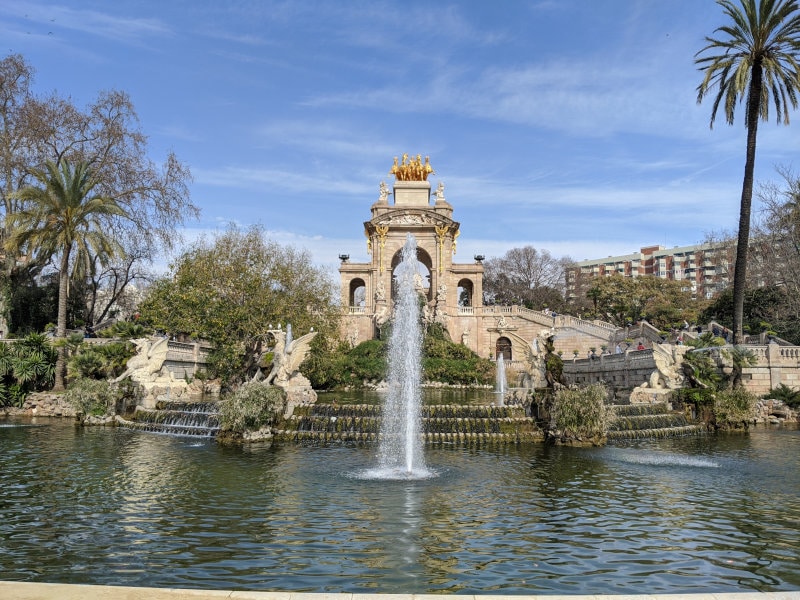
x=11, y=590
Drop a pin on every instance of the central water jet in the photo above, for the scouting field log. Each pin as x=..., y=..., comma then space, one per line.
x=400, y=448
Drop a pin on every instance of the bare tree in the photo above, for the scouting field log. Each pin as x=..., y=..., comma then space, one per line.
x=778, y=234
x=525, y=276
x=106, y=135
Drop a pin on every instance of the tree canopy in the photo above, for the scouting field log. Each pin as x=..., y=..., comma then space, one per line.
x=526, y=277
x=59, y=217
x=755, y=59
x=663, y=303
x=230, y=289
x=106, y=136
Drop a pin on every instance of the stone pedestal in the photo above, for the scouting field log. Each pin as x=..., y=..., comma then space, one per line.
x=298, y=393
x=412, y=193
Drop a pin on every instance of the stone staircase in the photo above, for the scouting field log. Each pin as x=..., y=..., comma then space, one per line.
x=658, y=420
x=185, y=419
x=440, y=424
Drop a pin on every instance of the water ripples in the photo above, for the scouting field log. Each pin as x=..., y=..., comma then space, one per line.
x=126, y=508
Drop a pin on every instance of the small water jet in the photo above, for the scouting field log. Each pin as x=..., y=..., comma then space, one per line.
x=400, y=453
x=501, y=385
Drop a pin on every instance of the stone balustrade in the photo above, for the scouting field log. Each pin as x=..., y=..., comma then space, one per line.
x=185, y=359
x=776, y=365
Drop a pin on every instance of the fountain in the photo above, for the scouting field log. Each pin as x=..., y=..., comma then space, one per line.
x=500, y=385
x=400, y=448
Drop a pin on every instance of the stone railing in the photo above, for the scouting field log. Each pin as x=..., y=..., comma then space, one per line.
x=621, y=371
x=776, y=365
x=185, y=359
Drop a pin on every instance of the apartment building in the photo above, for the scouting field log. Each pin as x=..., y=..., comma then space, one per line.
x=706, y=269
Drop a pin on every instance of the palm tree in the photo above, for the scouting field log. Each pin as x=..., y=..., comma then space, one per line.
x=594, y=293
x=64, y=218
x=756, y=60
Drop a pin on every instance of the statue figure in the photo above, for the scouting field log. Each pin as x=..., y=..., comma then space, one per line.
x=286, y=359
x=465, y=337
x=352, y=336
x=668, y=373
x=383, y=197
x=439, y=193
x=381, y=315
x=417, y=168
x=441, y=293
x=145, y=365
x=413, y=169
x=440, y=316
x=427, y=314
x=427, y=169
x=502, y=323
x=380, y=292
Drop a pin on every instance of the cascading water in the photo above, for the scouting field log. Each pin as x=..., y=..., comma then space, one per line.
x=500, y=385
x=400, y=448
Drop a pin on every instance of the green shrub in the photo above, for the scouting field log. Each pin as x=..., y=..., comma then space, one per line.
x=126, y=330
x=91, y=397
x=26, y=365
x=100, y=361
x=253, y=406
x=734, y=408
x=448, y=362
x=698, y=396
x=785, y=394
x=442, y=360
x=580, y=413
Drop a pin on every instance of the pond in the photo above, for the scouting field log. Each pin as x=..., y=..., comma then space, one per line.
x=120, y=507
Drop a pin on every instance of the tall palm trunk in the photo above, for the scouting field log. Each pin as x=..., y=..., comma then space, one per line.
x=743, y=240
x=61, y=325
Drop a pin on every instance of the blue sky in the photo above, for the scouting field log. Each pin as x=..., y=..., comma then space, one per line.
x=569, y=125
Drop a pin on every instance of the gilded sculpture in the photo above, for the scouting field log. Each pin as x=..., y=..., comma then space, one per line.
x=412, y=169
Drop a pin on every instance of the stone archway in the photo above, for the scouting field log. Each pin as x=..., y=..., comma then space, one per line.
x=466, y=291
x=357, y=292
x=424, y=268
x=503, y=347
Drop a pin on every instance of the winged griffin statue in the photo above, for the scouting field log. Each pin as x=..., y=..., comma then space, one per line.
x=287, y=358
x=145, y=365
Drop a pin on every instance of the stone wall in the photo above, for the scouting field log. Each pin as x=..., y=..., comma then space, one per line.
x=776, y=365
x=42, y=404
x=621, y=371
x=184, y=359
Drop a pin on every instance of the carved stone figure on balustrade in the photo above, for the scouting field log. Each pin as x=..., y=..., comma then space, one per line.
x=438, y=194
x=384, y=193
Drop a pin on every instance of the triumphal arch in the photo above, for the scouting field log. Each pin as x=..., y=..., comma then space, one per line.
x=452, y=291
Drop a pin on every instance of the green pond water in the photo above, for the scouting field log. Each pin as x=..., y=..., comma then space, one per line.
x=121, y=507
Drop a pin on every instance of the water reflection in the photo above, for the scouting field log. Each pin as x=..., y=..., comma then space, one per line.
x=120, y=507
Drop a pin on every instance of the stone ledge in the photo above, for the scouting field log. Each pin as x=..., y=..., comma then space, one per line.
x=58, y=591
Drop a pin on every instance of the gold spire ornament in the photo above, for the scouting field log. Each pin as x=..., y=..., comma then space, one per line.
x=441, y=232
x=412, y=169
x=381, y=230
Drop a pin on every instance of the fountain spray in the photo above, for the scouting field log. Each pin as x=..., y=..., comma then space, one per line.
x=400, y=449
